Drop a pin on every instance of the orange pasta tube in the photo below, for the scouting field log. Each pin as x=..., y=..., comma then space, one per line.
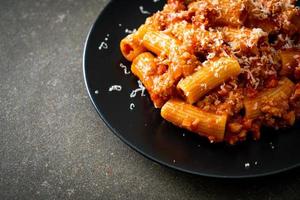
x=288, y=60
x=146, y=69
x=131, y=45
x=160, y=43
x=243, y=39
x=223, y=12
x=130, y=48
x=143, y=67
x=283, y=91
x=232, y=13
x=212, y=74
x=192, y=118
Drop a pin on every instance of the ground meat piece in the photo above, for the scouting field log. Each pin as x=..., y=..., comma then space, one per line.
x=295, y=100
x=271, y=82
x=177, y=5
x=255, y=130
x=250, y=92
x=202, y=13
x=232, y=105
x=277, y=113
x=290, y=118
x=275, y=108
x=235, y=127
x=297, y=72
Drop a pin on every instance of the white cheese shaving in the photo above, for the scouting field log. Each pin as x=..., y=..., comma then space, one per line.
x=124, y=67
x=143, y=11
x=130, y=31
x=132, y=106
x=140, y=89
x=115, y=88
x=247, y=165
x=103, y=45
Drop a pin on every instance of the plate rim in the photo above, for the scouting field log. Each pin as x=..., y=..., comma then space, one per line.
x=144, y=154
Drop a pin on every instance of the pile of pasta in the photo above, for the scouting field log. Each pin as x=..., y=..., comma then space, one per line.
x=221, y=68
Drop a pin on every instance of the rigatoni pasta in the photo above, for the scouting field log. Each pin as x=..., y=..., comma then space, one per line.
x=221, y=10
x=160, y=43
x=187, y=116
x=131, y=48
x=283, y=91
x=146, y=69
x=211, y=75
x=131, y=45
x=221, y=69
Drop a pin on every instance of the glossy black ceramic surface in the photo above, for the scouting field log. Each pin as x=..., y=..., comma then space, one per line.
x=143, y=129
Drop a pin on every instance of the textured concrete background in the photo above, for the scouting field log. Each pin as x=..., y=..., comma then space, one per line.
x=53, y=145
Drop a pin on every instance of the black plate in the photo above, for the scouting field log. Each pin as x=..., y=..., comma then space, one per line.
x=145, y=131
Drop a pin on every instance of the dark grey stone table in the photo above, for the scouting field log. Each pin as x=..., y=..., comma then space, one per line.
x=53, y=145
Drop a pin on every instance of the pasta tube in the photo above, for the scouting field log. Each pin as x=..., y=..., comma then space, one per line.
x=142, y=67
x=146, y=69
x=232, y=13
x=131, y=45
x=160, y=43
x=282, y=91
x=192, y=118
x=244, y=39
x=212, y=74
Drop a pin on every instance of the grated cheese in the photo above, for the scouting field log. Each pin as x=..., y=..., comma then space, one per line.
x=145, y=12
x=132, y=106
x=115, y=88
x=130, y=31
x=140, y=89
x=247, y=165
x=103, y=45
x=124, y=67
